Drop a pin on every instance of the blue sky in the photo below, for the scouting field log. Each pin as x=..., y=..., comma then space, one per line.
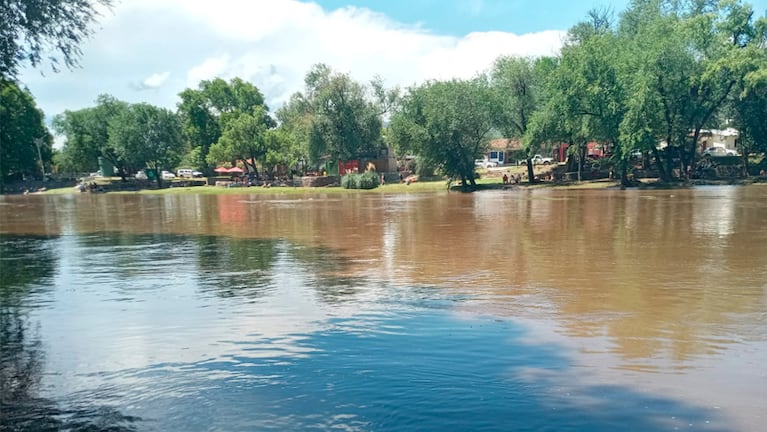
x=459, y=17
x=151, y=50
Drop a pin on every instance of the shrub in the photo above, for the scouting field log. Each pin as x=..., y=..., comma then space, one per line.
x=367, y=180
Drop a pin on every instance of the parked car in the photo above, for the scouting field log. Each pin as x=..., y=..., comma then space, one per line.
x=538, y=160
x=196, y=174
x=484, y=163
x=184, y=172
x=719, y=151
x=141, y=175
x=167, y=175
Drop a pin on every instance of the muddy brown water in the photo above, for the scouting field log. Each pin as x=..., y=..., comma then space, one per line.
x=569, y=310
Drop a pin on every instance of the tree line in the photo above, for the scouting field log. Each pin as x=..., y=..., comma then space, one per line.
x=659, y=72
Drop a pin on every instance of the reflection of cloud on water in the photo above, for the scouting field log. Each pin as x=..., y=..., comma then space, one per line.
x=132, y=316
x=424, y=371
x=714, y=211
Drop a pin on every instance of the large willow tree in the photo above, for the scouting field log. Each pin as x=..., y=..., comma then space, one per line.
x=447, y=124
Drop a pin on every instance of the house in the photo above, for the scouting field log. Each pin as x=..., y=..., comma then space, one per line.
x=502, y=150
x=726, y=138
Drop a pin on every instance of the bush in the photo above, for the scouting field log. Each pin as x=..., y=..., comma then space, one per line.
x=368, y=180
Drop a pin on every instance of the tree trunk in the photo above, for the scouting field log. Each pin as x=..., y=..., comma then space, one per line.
x=2, y=173
x=659, y=163
x=745, y=164
x=530, y=172
x=625, y=176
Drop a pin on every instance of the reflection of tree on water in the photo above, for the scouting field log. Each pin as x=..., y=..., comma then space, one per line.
x=236, y=268
x=25, y=263
x=327, y=273
x=246, y=268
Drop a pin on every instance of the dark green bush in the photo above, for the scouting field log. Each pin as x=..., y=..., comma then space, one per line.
x=367, y=180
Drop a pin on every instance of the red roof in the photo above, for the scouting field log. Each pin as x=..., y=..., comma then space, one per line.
x=505, y=144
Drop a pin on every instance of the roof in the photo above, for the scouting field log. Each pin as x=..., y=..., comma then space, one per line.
x=505, y=144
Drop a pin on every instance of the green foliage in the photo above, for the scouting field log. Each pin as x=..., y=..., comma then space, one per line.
x=147, y=135
x=24, y=139
x=684, y=62
x=518, y=88
x=206, y=111
x=243, y=138
x=87, y=136
x=335, y=117
x=514, y=85
x=296, y=118
x=665, y=72
x=192, y=159
x=366, y=180
x=445, y=124
x=32, y=30
x=345, y=124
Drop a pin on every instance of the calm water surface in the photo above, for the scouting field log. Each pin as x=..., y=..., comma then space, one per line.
x=515, y=310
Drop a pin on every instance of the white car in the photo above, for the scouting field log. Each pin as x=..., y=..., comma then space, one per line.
x=167, y=175
x=538, y=160
x=719, y=151
x=484, y=163
x=141, y=175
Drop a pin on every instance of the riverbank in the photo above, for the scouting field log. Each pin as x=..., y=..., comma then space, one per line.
x=489, y=180
x=420, y=187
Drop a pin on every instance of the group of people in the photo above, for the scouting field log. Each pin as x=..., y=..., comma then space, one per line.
x=516, y=178
x=89, y=187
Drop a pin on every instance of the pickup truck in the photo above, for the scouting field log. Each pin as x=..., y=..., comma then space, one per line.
x=538, y=160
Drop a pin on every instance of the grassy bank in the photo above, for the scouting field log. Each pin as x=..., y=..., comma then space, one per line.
x=395, y=188
x=489, y=183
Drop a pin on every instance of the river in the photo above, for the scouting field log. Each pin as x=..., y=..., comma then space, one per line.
x=524, y=310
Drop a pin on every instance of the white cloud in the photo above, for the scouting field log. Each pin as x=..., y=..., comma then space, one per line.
x=154, y=81
x=209, y=68
x=271, y=43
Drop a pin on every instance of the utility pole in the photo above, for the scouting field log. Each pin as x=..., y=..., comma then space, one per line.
x=38, y=142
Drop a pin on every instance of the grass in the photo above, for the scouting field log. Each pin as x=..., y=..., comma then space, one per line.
x=484, y=183
x=489, y=180
x=393, y=188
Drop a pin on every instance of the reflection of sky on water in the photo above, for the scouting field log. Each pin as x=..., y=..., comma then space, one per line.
x=153, y=323
x=423, y=371
x=714, y=211
x=135, y=316
x=302, y=350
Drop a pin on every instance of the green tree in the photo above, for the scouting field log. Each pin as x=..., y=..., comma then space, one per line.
x=244, y=138
x=206, y=110
x=748, y=111
x=688, y=59
x=345, y=123
x=80, y=151
x=145, y=135
x=295, y=118
x=446, y=124
x=25, y=144
x=282, y=150
x=34, y=30
x=87, y=136
x=517, y=88
x=592, y=89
